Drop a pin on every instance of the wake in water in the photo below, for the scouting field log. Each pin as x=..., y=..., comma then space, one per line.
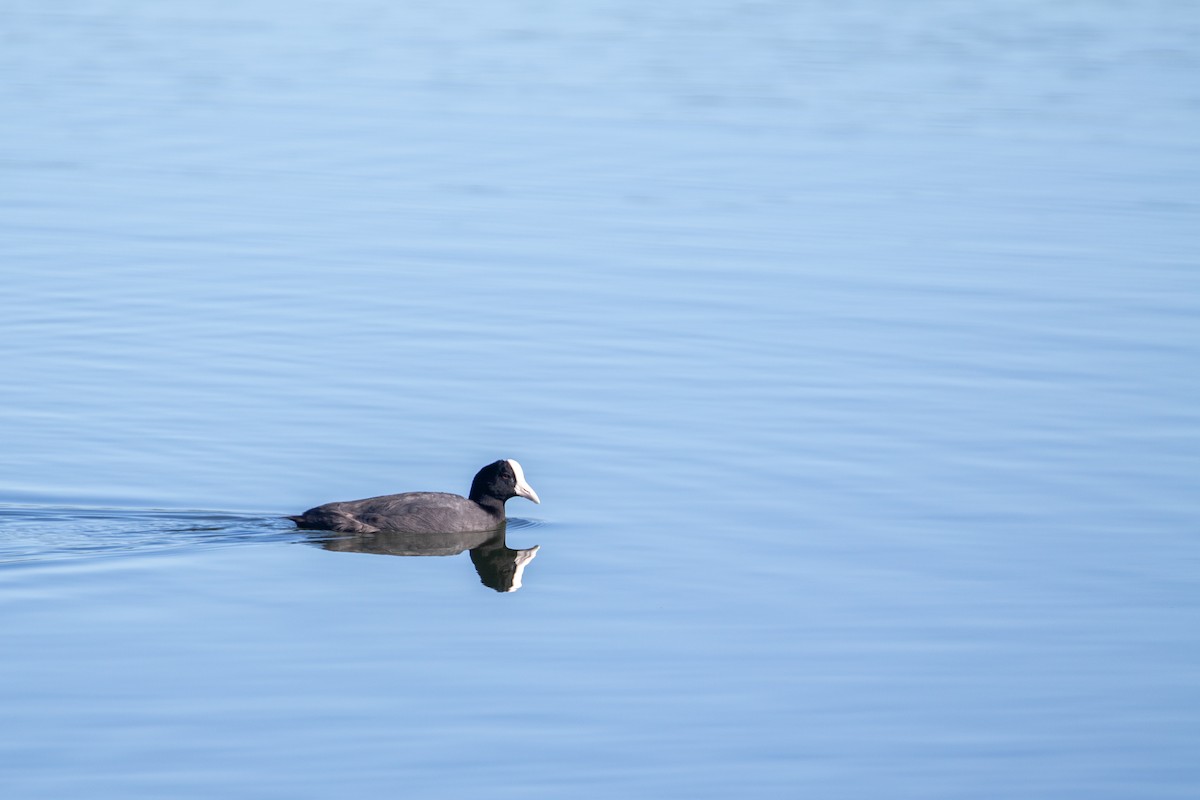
x=31, y=533
x=44, y=533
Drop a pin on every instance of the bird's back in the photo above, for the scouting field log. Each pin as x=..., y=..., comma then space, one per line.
x=414, y=512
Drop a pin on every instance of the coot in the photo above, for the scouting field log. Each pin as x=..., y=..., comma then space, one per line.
x=427, y=512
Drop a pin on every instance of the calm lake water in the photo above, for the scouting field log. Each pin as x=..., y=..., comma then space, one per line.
x=854, y=351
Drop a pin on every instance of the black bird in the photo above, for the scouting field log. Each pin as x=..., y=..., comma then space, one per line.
x=427, y=512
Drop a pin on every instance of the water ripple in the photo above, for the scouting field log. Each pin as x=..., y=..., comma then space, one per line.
x=45, y=533
x=516, y=523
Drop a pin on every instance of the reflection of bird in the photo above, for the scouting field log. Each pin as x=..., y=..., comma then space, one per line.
x=499, y=566
x=428, y=512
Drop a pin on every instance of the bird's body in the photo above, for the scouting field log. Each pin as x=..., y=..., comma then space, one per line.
x=427, y=512
x=411, y=512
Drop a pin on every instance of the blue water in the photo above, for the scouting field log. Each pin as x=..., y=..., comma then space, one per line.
x=854, y=352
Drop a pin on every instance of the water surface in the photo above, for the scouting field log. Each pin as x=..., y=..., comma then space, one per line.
x=852, y=353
